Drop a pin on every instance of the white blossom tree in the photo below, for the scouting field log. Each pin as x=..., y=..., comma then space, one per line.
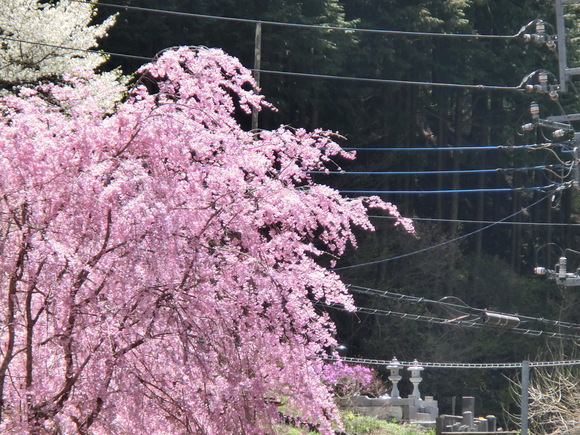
x=31, y=33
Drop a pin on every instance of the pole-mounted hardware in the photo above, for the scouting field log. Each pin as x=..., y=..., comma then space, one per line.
x=498, y=319
x=540, y=82
x=560, y=274
x=560, y=131
x=535, y=32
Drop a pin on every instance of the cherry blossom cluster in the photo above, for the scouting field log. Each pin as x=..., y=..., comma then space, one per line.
x=36, y=30
x=160, y=265
x=347, y=379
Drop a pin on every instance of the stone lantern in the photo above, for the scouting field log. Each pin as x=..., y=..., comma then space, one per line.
x=394, y=377
x=415, y=379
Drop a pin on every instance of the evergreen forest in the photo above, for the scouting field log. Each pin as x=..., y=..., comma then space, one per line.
x=434, y=96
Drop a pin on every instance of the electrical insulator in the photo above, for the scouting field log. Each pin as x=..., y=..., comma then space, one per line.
x=559, y=133
x=540, y=270
x=538, y=38
x=536, y=88
x=543, y=77
x=562, y=268
x=534, y=110
x=500, y=319
x=528, y=127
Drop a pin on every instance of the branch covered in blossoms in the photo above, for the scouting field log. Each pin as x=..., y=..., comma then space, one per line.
x=160, y=265
x=348, y=380
x=47, y=39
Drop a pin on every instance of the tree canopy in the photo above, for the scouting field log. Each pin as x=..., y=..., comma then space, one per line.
x=43, y=40
x=494, y=204
x=160, y=265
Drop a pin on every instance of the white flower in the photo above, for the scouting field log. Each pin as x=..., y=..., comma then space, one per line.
x=31, y=32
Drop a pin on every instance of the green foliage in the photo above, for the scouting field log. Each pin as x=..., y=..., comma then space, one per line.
x=361, y=425
x=355, y=424
x=290, y=430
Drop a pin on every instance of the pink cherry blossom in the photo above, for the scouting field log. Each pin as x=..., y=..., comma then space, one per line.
x=160, y=265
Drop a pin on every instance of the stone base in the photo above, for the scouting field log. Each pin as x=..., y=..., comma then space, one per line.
x=410, y=409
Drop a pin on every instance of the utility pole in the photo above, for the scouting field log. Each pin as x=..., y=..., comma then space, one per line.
x=257, y=66
x=544, y=82
x=565, y=71
x=525, y=396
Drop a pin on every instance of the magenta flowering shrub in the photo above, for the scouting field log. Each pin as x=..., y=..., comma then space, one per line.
x=347, y=380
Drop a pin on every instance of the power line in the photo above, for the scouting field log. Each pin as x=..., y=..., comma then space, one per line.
x=390, y=81
x=444, y=365
x=443, y=191
x=454, y=322
x=456, y=239
x=299, y=25
x=454, y=148
x=328, y=27
x=470, y=221
x=439, y=172
x=366, y=192
x=458, y=307
x=63, y=47
x=288, y=73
